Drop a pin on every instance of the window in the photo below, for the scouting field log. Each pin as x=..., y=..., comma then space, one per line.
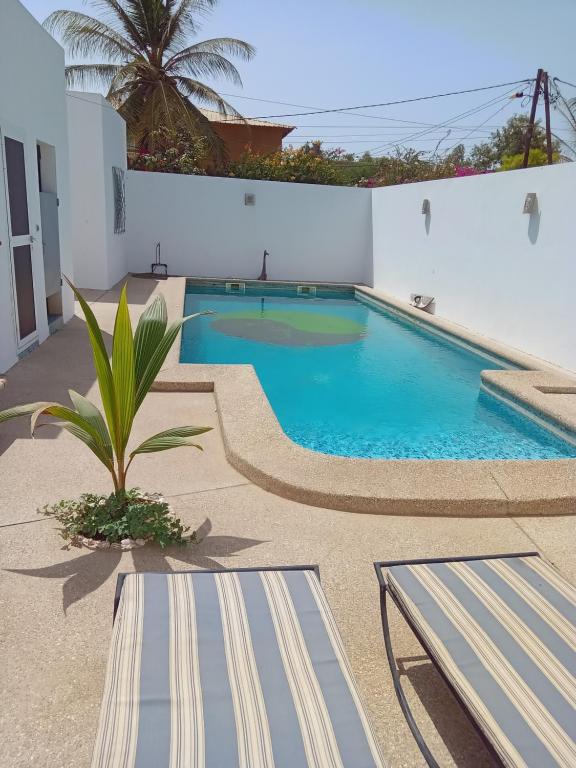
x=119, y=201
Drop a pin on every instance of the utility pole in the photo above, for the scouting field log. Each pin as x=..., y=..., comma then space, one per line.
x=530, y=128
x=547, y=113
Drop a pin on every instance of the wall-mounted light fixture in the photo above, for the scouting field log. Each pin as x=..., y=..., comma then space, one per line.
x=530, y=203
x=249, y=198
x=426, y=206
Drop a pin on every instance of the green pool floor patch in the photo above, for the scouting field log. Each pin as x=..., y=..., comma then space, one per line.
x=254, y=326
x=309, y=322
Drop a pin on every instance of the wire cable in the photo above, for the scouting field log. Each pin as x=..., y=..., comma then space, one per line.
x=320, y=110
x=564, y=82
x=468, y=135
x=448, y=122
x=398, y=101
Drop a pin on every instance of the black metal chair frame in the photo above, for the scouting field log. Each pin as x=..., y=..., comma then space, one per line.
x=385, y=589
x=122, y=576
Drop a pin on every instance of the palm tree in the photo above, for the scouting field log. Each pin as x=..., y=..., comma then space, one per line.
x=149, y=70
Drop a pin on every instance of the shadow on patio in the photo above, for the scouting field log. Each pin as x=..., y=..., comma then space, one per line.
x=87, y=572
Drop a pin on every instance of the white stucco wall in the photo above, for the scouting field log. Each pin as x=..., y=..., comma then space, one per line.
x=97, y=142
x=312, y=232
x=32, y=105
x=505, y=274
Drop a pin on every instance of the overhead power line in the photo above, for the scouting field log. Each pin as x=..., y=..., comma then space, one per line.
x=564, y=82
x=396, y=102
x=371, y=141
x=472, y=133
x=369, y=135
x=320, y=110
x=450, y=121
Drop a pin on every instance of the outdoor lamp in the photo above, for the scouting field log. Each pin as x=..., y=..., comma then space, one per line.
x=530, y=203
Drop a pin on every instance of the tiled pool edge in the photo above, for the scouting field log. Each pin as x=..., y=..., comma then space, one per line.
x=257, y=447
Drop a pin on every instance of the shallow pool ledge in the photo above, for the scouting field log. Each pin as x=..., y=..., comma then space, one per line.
x=256, y=446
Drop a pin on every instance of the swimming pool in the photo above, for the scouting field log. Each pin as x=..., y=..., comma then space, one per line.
x=349, y=379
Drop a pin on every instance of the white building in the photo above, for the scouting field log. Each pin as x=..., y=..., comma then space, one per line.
x=34, y=185
x=97, y=153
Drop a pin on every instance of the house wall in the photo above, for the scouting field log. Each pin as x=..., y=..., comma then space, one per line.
x=505, y=274
x=260, y=140
x=312, y=232
x=32, y=104
x=97, y=143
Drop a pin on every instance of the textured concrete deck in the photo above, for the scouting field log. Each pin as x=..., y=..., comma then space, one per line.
x=56, y=605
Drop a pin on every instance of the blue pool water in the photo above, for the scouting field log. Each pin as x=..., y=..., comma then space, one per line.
x=346, y=379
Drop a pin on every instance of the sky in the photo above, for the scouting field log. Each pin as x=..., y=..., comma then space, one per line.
x=340, y=53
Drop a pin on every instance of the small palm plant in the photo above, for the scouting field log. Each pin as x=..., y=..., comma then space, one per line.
x=124, y=382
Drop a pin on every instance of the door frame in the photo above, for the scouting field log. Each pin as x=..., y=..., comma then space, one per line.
x=18, y=134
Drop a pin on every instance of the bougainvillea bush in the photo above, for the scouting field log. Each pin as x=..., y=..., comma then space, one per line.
x=172, y=152
x=295, y=165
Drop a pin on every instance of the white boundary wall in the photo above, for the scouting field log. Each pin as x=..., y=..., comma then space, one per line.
x=493, y=269
x=312, y=232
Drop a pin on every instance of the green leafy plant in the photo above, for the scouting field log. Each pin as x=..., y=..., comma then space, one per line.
x=124, y=381
x=135, y=515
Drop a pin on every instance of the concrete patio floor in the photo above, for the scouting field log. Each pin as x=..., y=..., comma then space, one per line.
x=56, y=604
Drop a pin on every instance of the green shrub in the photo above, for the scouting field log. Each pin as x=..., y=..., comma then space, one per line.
x=295, y=165
x=128, y=515
x=535, y=157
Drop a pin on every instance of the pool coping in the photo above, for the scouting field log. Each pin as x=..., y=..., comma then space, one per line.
x=256, y=445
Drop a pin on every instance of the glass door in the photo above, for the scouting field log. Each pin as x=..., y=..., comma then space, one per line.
x=21, y=241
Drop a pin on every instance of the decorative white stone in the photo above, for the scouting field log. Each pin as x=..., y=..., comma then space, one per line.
x=140, y=542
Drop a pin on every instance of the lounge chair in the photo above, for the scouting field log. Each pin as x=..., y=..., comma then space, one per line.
x=501, y=630
x=222, y=669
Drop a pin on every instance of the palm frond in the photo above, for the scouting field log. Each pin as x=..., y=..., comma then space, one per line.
x=170, y=438
x=183, y=20
x=102, y=367
x=204, y=59
x=83, y=36
x=149, y=332
x=123, y=370
x=126, y=20
x=80, y=427
x=224, y=46
x=197, y=91
x=99, y=75
x=21, y=410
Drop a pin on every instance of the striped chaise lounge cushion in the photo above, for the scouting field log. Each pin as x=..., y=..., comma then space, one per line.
x=503, y=631
x=232, y=669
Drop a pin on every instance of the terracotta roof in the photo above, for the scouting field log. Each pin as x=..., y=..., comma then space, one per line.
x=220, y=117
